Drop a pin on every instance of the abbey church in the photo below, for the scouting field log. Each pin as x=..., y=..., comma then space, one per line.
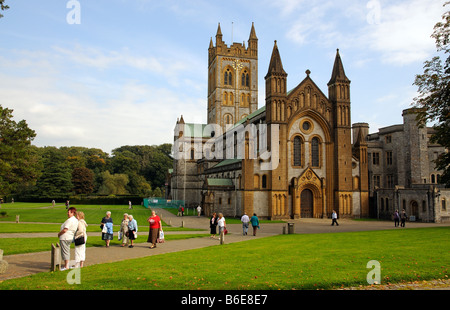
x=298, y=156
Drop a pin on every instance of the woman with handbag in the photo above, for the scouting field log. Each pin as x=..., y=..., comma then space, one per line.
x=132, y=230
x=80, y=241
x=107, y=228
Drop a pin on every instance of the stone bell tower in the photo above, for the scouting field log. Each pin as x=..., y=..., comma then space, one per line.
x=232, y=79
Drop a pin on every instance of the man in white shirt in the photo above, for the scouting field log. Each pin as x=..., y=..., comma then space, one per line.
x=68, y=229
x=245, y=220
x=199, y=210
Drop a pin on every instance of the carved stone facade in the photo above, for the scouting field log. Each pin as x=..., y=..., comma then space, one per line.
x=402, y=173
x=304, y=166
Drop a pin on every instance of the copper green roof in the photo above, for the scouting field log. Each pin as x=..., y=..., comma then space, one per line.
x=250, y=116
x=196, y=130
x=226, y=162
x=219, y=182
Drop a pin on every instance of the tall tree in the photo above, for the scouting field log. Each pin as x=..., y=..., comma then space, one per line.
x=56, y=178
x=434, y=94
x=113, y=184
x=82, y=180
x=17, y=159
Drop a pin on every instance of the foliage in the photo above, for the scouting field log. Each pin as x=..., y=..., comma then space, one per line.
x=17, y=159
x=82, y=180
x=3, y=6
x=51, y=172
x=113, y=184
x=434, y=94
x=56, y=178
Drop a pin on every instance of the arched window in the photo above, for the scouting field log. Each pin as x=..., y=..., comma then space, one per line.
x=245, y=80
x=297, y=151
x=315, y=152
x=264, y=181
x=228, y=119
x=228, y=77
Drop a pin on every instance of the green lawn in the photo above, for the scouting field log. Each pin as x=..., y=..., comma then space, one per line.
x=300, y=261
x=42, y=212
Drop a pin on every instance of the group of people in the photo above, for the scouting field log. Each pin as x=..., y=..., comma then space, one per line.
x=73, y=230
x=218, y=220
x=129, y=228
x=399, y=218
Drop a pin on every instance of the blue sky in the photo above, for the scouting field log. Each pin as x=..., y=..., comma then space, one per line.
x=125, y=73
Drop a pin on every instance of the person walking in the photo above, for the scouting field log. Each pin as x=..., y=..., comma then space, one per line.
x=66, y=235
x=245, y=220
x=396, y=219
x=222, y=224
x=255, y=223
x=199, y=211
x=155, y=226
x=132, y=230
x=80, y=235
x=124, y=230
x=403, y=218
x=334, y=218
x=107, y=228
x=213, y=225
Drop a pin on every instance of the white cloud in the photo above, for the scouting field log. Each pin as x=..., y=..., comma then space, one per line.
x=64, y=100
x=399, y=31
x=403, y=34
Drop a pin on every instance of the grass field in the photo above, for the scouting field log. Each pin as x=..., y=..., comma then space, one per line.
x=309, y=261
x=35, y=214
x=44, y=213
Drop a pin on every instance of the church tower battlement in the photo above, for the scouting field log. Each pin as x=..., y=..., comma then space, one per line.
x=232, y=79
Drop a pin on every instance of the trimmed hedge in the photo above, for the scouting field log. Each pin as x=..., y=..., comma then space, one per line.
x=83, y=200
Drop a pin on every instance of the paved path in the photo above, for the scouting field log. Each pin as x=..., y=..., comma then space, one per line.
x=21, y=265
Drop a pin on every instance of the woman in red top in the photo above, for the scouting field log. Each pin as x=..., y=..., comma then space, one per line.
x=155, y=227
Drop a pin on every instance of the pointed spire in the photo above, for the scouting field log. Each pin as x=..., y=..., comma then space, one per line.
x=211, y=45
x=219, y=32
x=275, y=65
x=181, y=120
x=253, y=33
x=338, y=71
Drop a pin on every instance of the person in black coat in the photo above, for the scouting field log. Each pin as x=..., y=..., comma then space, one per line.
x=213, y=225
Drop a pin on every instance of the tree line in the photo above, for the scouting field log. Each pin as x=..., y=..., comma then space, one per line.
x=30, y=171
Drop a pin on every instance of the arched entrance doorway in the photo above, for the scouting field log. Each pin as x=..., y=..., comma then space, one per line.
x=306, y=203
